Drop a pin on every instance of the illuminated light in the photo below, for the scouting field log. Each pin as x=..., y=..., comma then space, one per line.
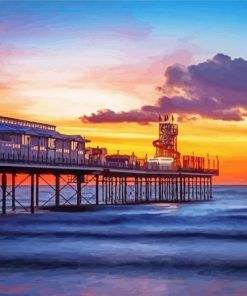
x=161, y=160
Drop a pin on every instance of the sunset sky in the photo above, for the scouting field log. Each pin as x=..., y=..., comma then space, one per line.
x=106, y=69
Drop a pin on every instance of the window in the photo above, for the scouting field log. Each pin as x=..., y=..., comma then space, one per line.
x=74, y=145
x=25, y=139
x=4, y=137
x=51, y=143
x=18, y=146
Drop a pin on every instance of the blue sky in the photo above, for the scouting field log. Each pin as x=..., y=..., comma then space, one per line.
x=213, y=26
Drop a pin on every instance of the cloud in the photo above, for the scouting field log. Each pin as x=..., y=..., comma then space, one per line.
x=113, y=117
x=215, y=89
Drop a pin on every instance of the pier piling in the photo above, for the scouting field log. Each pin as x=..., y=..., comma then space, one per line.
x=32, y=194
x=13, y=191
x=4, y=192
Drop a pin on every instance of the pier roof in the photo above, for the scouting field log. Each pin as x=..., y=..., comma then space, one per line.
x=35, y=129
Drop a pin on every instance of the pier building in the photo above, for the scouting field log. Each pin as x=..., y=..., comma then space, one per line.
x=37, y=142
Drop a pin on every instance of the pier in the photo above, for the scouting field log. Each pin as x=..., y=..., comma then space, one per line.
x=167, y=177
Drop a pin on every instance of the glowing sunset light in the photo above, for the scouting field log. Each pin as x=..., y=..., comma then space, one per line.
x=106, y=72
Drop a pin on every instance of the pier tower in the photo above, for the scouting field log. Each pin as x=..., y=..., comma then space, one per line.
x=166, y=145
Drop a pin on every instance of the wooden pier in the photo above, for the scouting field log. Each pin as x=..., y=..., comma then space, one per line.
x=108, y=185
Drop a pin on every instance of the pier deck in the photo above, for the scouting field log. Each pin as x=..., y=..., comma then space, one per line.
x=108, y=185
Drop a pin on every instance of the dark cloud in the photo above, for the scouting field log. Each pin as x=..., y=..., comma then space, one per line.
x=215, y=89
x=112, y=117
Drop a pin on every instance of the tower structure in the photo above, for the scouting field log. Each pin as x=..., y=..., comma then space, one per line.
x=166, y=145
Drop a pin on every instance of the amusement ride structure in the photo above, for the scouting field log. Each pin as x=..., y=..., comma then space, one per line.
x=166, y=145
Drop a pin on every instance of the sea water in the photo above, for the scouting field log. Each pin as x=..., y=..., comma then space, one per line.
x=155, y=249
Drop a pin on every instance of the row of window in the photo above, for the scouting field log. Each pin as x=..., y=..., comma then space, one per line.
x=40, y=148
x=26, y=140
x=12, y=121
x=36, y=148
x=51, y=143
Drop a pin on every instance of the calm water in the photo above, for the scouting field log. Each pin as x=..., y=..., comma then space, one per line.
x=163, y=249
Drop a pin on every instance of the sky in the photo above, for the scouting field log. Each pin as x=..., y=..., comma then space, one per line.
x=106, y=69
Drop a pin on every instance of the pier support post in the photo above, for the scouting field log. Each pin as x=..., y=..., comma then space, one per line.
x=160, y=189
x=79, y=180
x=196, y=189
x=4, y=192
x=180, y=188
x=155, y=189
x=146, y=190
x=200, y=180
x=188, y=186
x=111, y=190
x=32, y=194
x=103, y=189
x=211, y=188
x=57, y=190
x=13, y=192
x=116, y=191
x=167, y=194
x=204, y=189
x=97, y=189
x=120, y=187
x=125, y=190
x=173, y=191
x=106, y=190
x=192, y=187
x=37, y=190
x=176, y=189
x=150, y=190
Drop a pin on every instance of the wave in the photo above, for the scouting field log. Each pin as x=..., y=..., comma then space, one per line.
x=110, y=235
x=136, y=265
x=238, y=191
x=124, y=220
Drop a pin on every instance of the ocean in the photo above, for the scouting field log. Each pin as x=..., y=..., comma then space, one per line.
x=155, y=249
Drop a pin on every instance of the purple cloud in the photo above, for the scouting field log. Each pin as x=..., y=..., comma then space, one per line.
x=112, y=117
x=215, y=89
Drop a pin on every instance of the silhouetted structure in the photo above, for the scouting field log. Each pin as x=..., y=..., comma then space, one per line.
x=34, y=150
x=166, y=145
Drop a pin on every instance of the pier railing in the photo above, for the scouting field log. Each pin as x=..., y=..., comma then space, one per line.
x=65, y=162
